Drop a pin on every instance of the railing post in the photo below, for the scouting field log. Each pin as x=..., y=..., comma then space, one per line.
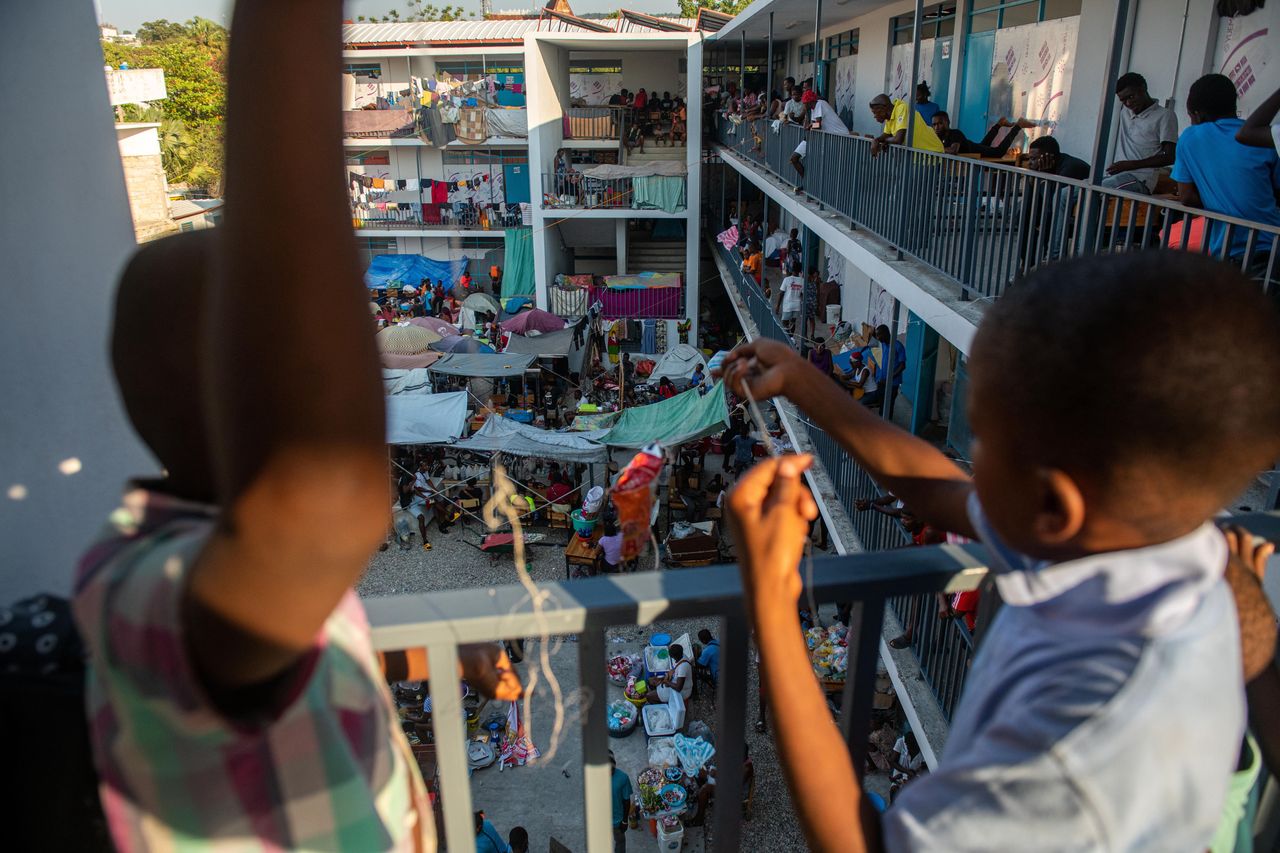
x=449, y=728
x=860, y=680
x=970, y=232
x=596, y=791
x=730, y=726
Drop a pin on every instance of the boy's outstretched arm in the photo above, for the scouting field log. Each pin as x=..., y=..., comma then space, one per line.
x=295, y=408
x=929, y=484
x=1257, y=127
x=769, y=514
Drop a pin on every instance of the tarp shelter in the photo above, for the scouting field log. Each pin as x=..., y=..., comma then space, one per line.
x=414, y=381
x=533, y=320
x=482, y=303
x=678, y=363
x=490, y=365
x=460, y=344
x=517, y=277
x=504, y=435
x=396, y=270
x=684, y=417
x=426, y=418
x=552, y=345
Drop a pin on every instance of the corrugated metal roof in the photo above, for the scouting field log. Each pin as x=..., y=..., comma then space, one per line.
x=439, y=32
x=471, y=32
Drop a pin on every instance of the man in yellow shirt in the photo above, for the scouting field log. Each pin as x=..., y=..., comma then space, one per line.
x=894, y=115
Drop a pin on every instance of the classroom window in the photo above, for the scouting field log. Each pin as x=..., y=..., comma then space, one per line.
x=988, y=15
x=364, y=69
x=369, y=157
x=842, y=44
x=806, y=53
x=939, y=20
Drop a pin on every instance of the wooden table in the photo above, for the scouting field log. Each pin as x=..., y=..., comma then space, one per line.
x=583, y=552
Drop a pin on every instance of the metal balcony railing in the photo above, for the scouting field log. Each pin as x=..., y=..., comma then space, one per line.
x=944, y=648
x=593, y=123
x=983, y=223
x=575, y=190
x=443, y=621
x=437, y=217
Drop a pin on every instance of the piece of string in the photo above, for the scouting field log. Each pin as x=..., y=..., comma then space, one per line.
x=500, y=503
x=772, y=450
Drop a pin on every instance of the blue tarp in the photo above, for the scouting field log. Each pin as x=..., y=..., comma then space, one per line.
x=412, y=269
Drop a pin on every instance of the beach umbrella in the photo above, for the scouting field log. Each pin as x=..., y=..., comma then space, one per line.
x=405, y=340
x=535, y=320
x=435, y=324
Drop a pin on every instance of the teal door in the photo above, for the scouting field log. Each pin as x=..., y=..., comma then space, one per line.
x=922, y=364
x=941, y=71
x=975, y=84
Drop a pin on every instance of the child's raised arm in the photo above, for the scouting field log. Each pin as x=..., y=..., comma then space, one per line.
x=295, y=408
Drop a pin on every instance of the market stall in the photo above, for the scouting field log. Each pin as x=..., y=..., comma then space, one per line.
x=684, y=417
x=503, y=435
x=426, y=418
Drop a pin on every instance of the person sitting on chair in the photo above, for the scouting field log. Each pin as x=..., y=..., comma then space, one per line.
x=678, y=679
x=611, y=546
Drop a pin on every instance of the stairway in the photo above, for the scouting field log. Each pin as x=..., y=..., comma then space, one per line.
x=648, y=255
x=653, y=151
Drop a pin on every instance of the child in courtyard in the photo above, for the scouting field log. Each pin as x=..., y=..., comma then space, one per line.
x=1105, y=709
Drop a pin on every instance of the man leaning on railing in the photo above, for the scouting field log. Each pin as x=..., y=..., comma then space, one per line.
x=1106, y=709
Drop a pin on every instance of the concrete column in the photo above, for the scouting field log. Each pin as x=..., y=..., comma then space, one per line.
x=693, y=192
x=621, y=237
x=67, y=447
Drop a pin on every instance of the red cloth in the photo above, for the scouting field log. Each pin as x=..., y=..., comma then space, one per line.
x=439, y=192
x=557, y=491
x=966, y=605
x=666, y=391
x=642, y=98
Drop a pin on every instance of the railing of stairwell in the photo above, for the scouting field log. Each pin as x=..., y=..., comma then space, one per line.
x=982, y=224
x=759, y=308
x=586, y=608
x=593, y=123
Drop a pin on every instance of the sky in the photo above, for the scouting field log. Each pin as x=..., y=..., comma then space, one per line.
x=129, y=14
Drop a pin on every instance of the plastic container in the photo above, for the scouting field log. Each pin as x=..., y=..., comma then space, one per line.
x=582, y=526
x=660, y=640
x=656, y=660
x=670, y=837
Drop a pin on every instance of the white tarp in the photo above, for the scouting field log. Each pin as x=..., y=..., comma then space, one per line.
x=656, y=168
x=414, y=381
x=505, y=435
x=549, y=345
x=426, y=418
x=512, y=123
x=677, y=363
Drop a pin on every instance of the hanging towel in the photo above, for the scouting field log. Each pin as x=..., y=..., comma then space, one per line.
x=439, y=192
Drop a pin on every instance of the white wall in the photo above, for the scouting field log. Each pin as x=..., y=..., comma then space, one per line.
x=138, y=140
x=59, y=397
x=652, y=70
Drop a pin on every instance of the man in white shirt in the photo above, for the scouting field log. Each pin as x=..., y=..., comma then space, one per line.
x=1147, y=140
x=679, y=679
x=823, y=117
x=791, y=291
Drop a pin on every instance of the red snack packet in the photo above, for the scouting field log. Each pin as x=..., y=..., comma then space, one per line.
x=633, y=497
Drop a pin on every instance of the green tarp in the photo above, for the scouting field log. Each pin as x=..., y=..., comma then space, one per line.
x=658, y=192
x=517, y=275
x=684, y=417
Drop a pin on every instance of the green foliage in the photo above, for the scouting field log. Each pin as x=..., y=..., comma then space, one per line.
x=421, y=10
x=193, y=56
x=689, y=8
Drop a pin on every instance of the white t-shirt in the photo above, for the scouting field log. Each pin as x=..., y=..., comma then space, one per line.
x=829, y=120
x=792, y=289
x=794, y=110
x=683, y=668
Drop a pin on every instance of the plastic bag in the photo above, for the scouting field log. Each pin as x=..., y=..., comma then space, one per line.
x=693, y=753
x=633, y=496
x=699, y=729
x=662, y=752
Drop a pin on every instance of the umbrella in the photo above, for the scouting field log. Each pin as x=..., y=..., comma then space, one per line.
x=405, y=340
x=535, y=320
x=409, y=362
x=435, y=324
x=374, y=308
x=482, y=303
x=458, y=343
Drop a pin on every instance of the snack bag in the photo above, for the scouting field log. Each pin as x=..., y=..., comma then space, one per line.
x=633, y=497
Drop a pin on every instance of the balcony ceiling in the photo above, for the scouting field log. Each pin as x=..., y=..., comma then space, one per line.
x=754, y=20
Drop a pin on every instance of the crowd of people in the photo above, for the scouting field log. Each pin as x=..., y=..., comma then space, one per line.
x=441, y=300
x=663, y=119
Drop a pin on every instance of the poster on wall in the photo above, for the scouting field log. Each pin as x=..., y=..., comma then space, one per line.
x=594, y=89
x=899, y=84
x=844, y=90
x=1031, y=72
x=476, y=184
x=1247, y=53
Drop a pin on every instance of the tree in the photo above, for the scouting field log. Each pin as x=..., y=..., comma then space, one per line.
x=421, y=10
x=689, y=8
x=206, y=33
x=161, y=30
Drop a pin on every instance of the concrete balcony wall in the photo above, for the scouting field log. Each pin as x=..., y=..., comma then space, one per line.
x=135, y=86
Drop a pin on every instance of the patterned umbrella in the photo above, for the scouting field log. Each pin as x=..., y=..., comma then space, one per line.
x=435, y=324
x=535, y=320
x=405, y=340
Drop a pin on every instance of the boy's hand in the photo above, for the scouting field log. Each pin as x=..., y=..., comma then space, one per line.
x=769, y=514
x=767, y=367
x=486, y=667
x=1246, y=565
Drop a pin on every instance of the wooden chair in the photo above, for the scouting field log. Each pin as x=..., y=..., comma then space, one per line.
x=558, y=517
x=472, y=507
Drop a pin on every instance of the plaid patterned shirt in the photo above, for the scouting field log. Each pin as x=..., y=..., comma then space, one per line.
x=328, y=769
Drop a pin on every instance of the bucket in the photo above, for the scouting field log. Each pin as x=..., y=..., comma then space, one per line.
x=582, y=526
x=660, y=640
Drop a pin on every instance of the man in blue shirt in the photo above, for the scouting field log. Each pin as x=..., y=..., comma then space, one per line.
x=880, y=355
x=621, y=785
x=710, y=657
x=1217, y=173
